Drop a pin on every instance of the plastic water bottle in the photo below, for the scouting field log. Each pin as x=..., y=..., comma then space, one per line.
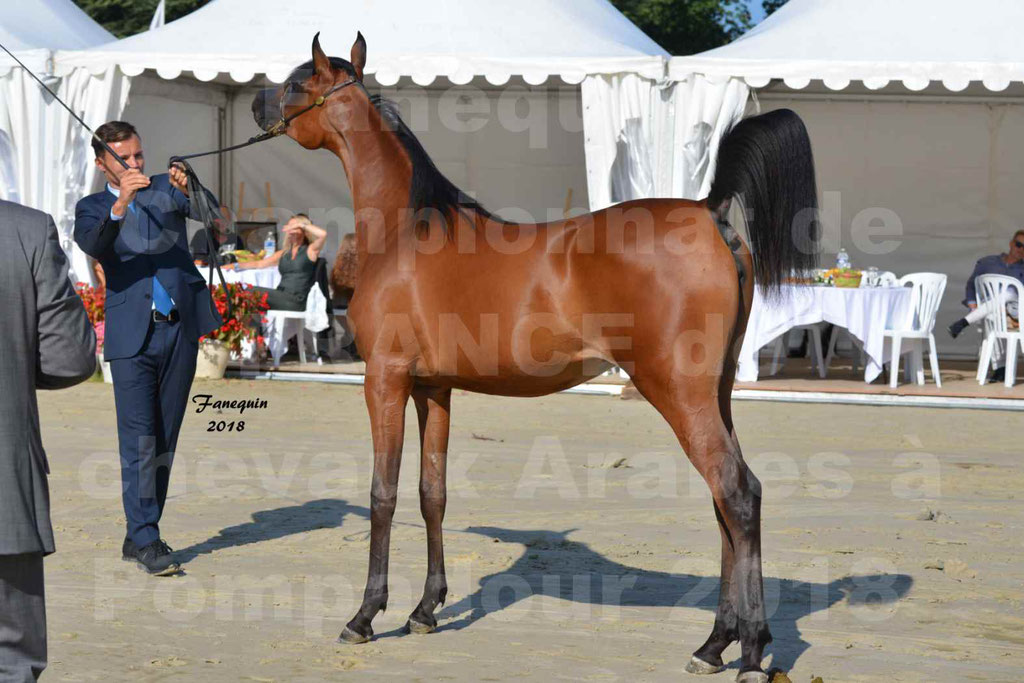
x=269, y=245
x=843, y=260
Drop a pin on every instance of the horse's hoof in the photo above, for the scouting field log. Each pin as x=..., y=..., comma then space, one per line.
x=351, y=637
x=419, y=627
x=752, y=677
x=698, y=666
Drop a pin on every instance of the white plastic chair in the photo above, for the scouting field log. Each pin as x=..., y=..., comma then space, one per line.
x=916, y=326
x=780, y=349
x=1000, y=289
x=283, y=325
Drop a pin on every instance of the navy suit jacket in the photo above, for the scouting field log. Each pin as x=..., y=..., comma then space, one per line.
x=149, y=242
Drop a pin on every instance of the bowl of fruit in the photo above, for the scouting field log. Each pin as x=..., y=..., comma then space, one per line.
x=846, y=277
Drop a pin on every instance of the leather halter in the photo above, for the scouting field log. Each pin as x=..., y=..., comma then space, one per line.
x=278, y=128
x=197, y=193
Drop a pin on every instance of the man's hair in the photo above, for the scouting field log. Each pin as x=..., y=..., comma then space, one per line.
x=112, y=131
x=1019, y=233
x=301, y=215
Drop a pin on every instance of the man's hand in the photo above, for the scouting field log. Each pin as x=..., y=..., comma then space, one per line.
x=972, y=306
x=130, y=182
x=178, y=179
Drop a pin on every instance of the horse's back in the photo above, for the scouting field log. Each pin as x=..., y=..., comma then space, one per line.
x=531, y=309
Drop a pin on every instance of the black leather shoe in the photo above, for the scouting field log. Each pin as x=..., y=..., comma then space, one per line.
x=998, y=375
x=156, y=559
x=128, y=550
x=957, y=327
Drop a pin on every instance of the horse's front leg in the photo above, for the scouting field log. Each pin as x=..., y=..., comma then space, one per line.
x=433, y=409
x=387, y=391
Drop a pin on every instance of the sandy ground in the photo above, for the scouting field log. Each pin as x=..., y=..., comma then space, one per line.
x=579, y=543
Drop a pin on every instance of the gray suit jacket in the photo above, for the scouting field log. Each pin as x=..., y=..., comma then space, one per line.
x=46, y=342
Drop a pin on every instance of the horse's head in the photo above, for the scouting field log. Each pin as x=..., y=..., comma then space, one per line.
x=314, y=83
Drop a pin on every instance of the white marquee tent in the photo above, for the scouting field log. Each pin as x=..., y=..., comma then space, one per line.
x=914, y=110
x=492, y=89
x=913, y=107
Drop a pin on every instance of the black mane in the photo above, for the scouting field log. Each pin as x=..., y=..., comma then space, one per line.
x=429, y=189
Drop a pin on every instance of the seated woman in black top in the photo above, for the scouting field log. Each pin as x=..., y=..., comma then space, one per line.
x=296, y=261
x=222, y=234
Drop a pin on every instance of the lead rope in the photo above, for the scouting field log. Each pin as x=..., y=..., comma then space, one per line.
x=199, y=199
x=200, y=205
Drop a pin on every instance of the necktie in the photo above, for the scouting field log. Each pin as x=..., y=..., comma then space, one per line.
x=161, y=299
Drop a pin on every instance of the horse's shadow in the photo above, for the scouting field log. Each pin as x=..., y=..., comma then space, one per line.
x=267, y=525
x=552, y=565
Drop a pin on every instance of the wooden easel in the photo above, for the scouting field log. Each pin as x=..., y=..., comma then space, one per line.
x=266, y=214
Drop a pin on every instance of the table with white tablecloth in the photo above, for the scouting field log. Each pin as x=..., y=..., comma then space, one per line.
x=254, y=277
x=257, y=277
x=864, y=311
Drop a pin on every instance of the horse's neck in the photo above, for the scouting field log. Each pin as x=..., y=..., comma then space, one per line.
x=379, y=173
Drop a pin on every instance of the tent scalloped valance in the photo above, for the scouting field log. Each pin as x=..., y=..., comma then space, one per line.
x=456, y=71
x=837, y=78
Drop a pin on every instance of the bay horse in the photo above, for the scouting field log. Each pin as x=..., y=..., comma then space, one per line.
x=451, y=297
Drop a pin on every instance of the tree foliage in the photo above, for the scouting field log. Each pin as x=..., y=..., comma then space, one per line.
x=772, y=5
x=680, y=26
x=127, y=17
x=686, y=27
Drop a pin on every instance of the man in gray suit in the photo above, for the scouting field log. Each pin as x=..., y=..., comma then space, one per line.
x=46, y=342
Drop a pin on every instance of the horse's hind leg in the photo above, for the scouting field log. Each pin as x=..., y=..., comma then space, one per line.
x=690, y=405
x=708, y=657
x=433, y=409
x=387, y=391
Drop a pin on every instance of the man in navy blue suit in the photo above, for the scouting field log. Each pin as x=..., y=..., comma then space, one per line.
x=157, y=307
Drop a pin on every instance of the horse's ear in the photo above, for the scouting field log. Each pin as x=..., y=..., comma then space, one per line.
x=321, y=63
x=359, y=55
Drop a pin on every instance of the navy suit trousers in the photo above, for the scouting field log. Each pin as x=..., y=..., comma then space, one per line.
x=151, y=392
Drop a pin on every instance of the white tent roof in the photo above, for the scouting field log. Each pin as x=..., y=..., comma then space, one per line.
x=875, y=41
x=458, y=39
x=32, y=27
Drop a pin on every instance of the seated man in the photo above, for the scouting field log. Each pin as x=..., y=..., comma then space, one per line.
x=223, y=234
x=1012, y=264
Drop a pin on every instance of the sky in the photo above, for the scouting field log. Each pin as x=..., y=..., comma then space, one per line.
x=756, y=11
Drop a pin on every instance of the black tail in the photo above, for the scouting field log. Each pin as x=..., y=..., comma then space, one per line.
x=766, y=162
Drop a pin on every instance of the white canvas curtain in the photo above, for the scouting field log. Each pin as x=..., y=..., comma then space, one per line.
x=22, y=128
x=97, y=99
x=45, y=156
x=655, y=139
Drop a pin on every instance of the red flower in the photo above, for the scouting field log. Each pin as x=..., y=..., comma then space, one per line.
x=248, y=307
x=93, y=299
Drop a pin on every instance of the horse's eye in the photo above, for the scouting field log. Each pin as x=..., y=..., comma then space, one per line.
x=291, y=93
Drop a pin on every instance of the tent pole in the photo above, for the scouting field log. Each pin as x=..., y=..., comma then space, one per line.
x=225, y=136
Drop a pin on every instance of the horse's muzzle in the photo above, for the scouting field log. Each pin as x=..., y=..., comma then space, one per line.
x=265, y=109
